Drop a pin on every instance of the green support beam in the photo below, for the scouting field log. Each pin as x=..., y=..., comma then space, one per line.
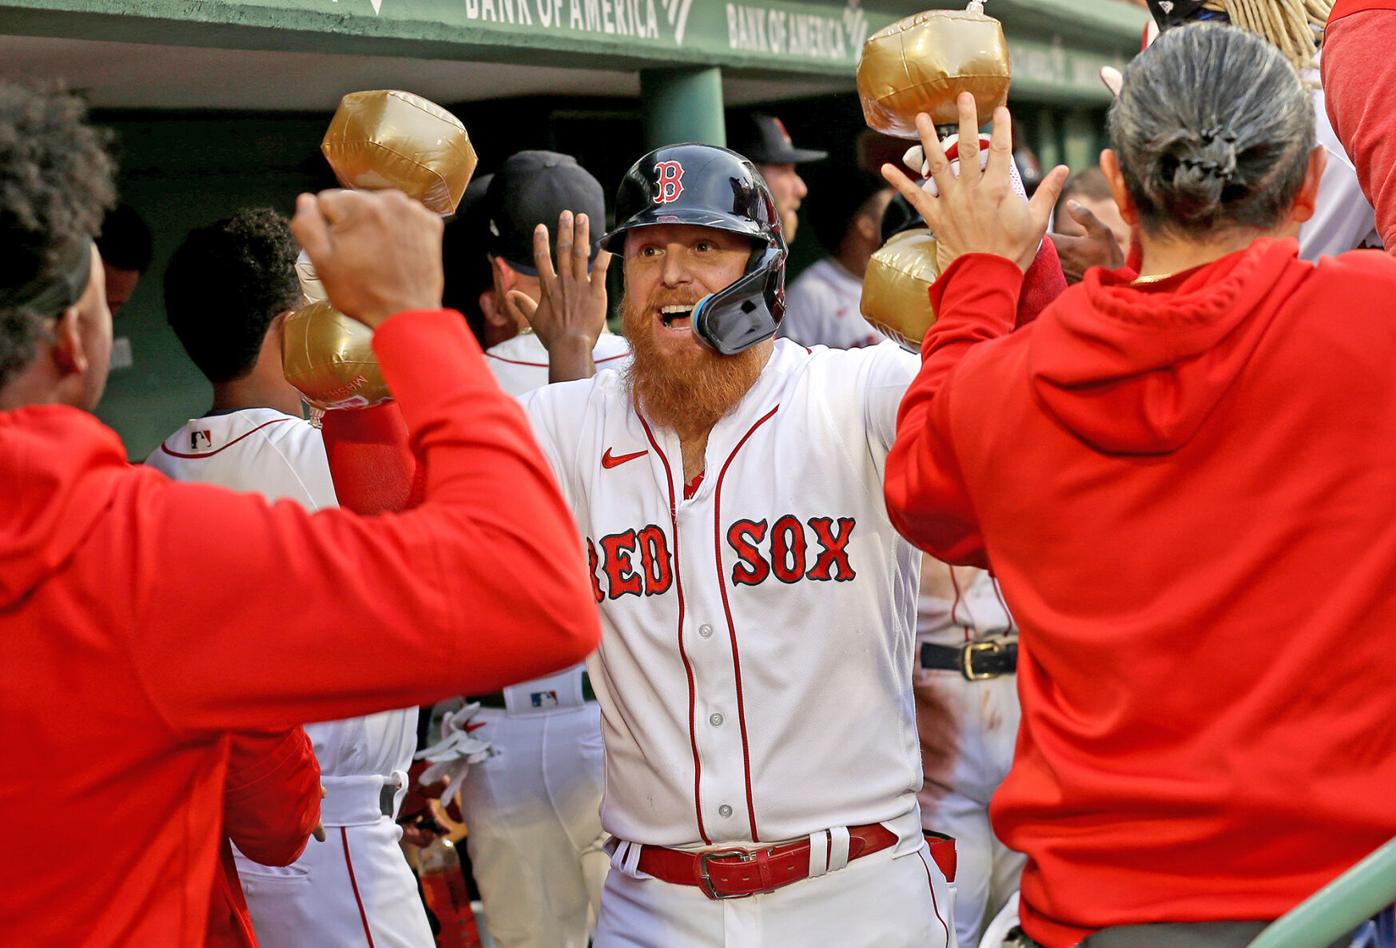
x=682, y=105
x=1081, y=139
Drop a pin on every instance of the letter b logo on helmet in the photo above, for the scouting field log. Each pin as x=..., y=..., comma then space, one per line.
x=668, y=183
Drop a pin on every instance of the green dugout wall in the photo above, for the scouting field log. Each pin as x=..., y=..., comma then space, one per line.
x=220, y=104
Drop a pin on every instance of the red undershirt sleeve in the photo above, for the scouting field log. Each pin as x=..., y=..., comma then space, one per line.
x=975, y=300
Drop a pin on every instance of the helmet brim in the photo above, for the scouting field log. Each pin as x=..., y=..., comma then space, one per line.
x=614, y=240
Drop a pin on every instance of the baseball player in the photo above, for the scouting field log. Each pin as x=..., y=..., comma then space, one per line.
x=726, y=486
x=533, y=806
x=823, y=304
x=226, y=289
x=967, y=715
x=531, y=188
x=765, y=141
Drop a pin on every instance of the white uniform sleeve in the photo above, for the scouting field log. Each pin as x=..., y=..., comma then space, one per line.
x=890, y=370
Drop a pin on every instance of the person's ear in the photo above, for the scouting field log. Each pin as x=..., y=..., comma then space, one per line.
x=489, y=308
x=1115, y=178
x=505, y=277
x=68, y=350
x=276, y=332
x=1307, y=199
x=869, y=228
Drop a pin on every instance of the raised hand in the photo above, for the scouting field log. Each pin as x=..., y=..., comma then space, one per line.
x=571, y=310
x=978, y=211
x=1096, y=248
x=376, y=252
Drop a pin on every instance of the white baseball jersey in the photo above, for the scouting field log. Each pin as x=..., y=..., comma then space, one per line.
x=520, y=364
x=823, y=307
x=755, y=667
x=1343, y=219
x=280, y=456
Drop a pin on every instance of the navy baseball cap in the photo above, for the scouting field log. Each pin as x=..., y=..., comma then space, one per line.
x=763, y=139
x=532, y=188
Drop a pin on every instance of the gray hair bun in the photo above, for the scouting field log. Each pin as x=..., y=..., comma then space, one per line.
x=1212, y=128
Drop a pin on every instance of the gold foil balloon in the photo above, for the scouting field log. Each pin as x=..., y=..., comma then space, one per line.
x=388, y=139
x=329, y=359
x=896, y=297
x=923, y=62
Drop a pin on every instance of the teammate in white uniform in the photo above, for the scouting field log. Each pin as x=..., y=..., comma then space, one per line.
x=532, y=809
x=967, y=709
x=823, y=306
x=758, y=607
x=226, y=289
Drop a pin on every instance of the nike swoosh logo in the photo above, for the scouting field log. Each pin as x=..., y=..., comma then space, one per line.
x=609, y=461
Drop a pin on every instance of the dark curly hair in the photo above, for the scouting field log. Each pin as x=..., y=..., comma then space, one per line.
x=55, y=185
x=225, y=284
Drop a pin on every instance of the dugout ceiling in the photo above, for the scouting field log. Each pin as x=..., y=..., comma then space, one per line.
x=306, y=51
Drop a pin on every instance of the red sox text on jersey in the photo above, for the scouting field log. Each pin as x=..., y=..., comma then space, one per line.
x=638, y=562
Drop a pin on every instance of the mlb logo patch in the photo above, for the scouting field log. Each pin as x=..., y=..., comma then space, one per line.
x=200, y=439
x=544, y=699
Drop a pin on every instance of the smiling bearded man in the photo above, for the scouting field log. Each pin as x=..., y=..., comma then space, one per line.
x=682, y=384
x=755, y=669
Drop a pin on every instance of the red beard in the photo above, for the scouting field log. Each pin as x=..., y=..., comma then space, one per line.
x=691, y=388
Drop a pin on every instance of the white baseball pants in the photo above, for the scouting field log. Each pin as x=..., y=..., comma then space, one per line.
x=533, y=815
x=968, y=731
x=355, y=889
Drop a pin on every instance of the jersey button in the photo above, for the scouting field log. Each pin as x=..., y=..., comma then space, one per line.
x=724, y=810
x=715, y=719
x=705, y=631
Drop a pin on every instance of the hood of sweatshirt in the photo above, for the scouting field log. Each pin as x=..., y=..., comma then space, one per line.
x=59, y=470
x=1136, y=370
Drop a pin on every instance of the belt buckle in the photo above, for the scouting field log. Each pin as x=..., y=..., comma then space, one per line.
x=705, y=883
x=967, y=660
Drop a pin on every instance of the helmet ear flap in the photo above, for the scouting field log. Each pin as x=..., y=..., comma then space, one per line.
x=748, y=310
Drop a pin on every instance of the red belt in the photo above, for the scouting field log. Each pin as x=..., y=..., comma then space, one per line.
x=739, y=873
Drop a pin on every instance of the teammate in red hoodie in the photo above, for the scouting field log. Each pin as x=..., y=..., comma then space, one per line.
x=1359, y=72
x=1186, y=482
x=131, y=642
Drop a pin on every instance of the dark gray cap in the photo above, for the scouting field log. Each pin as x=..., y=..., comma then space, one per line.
x=532, y=188
x=764, y=140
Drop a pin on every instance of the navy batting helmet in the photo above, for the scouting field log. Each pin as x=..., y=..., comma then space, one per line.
x=707, y=186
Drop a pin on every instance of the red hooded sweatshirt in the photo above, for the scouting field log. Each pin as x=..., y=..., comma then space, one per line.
x=1359, y=74
x=1188, y=493
x=141, y=620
